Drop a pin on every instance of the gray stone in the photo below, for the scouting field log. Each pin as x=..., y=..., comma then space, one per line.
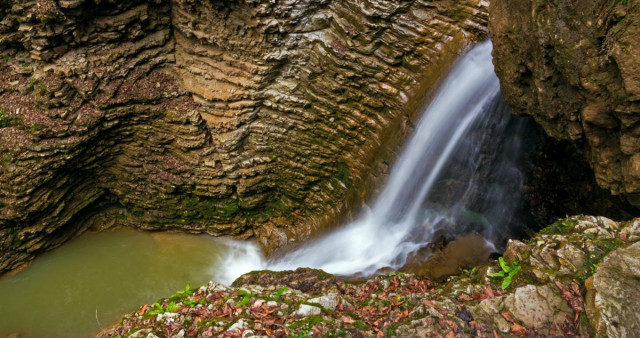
x=308, y=310
x=237, y=325
x=329, y=301
x=613, y=294
x=539, y=307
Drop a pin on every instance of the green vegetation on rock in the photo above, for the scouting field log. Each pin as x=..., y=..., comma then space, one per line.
x=508, y=272
x=4, y=119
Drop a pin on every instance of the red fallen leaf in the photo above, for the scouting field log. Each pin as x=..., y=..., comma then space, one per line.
x=573, y=296
x=507, y=316
x=265, y=322
x=143, y=309
x=347, y=320
x=395, y=282
x=417, y=286
x=339, y=306
x=192, y=331
x=379, y=323
x=464, y=297
x=623, y=237
x=227, y=310
x=475, y=325
x=214, y=296
x=451, y=334
x=208, y=332
x=448, y=322
x=318, y=330
x=488, y=291
x=429, y=303
x=518, y=330
x=495, y=334
x=198, y=312
x=379, y=334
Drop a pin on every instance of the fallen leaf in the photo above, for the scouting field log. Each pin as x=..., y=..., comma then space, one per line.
x=347, y=319
x=518, y=329
x=507, y=316
x=464, y=297
x=623, y=236
x=488, y=291
x=143, y=309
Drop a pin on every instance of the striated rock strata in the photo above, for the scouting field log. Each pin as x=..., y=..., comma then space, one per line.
x=226, y=117
x=575, y=68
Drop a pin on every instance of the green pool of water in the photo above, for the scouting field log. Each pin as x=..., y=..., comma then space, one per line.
x=93, y=280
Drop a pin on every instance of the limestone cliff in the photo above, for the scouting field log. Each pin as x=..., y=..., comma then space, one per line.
x=229, y=117
x=575, y=68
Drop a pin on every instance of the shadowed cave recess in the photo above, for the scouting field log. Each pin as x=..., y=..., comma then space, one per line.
x=246, y=118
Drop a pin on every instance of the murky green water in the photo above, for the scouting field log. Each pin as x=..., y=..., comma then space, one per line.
x=93, y=280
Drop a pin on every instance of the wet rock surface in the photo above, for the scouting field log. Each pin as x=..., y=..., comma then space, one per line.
x=237, y=117
x=545, y=297
x=575, y=70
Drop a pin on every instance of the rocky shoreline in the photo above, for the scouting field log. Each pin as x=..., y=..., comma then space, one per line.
x=578, y=277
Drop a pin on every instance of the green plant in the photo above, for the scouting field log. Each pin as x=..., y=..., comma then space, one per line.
x=156, y=309
x=279, y=293
x=470, y=272
x=301, y=334
x=246, y=297
x=507, y=273
x=4, y=119
x=181, y=294
x=36, y=127
x=560, y=227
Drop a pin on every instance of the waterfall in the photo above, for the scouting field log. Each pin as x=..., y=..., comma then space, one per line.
x=406, y=215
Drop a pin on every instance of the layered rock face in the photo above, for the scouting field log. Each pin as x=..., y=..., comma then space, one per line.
x=575, y=69
x=226, y=117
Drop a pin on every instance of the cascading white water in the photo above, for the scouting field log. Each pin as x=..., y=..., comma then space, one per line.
x=398, y=224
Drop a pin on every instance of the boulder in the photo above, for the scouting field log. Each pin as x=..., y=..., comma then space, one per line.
x=613, y=294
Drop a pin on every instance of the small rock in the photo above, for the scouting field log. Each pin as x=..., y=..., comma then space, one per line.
x=329, y=301
x=167, y=317
x=180, y=334
x=237, y=325
x=308, y=310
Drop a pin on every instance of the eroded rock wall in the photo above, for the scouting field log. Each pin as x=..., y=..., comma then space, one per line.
x=575, y=68
x=227, y=117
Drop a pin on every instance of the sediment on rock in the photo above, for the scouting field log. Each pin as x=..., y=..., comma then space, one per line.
x=235, y=117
